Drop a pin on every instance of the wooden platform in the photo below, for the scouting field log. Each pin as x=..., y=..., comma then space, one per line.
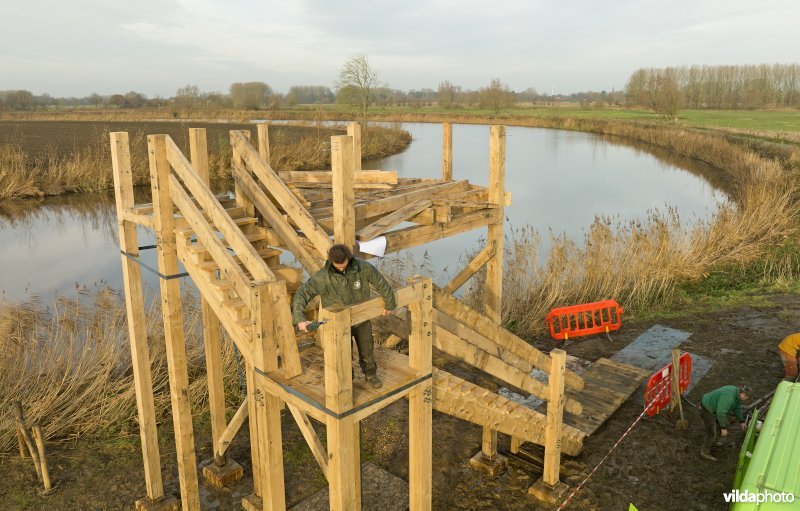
x=608, y=385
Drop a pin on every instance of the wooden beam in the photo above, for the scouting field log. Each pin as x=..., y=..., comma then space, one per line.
x=374, y=307
x=408, y=237
x=555, y=418
x=420, y=399
x=284, y=330
x=344, y=222
x=473, y=267
x=502, y=337
x=354, y=131
x=385, y=223
x=278, y=189
x=494, y=268
x=137, y=324
x=221, y=220
x=232, y=428
x=312, y=439
x=166, y=253
x=447, y=151
x=241, y=199
x=198, y=153
x=469, y=353
x=325, y=177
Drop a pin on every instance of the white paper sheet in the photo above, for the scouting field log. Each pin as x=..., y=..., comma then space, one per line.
x=376, y=247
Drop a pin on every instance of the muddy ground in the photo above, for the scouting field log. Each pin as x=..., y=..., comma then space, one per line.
x=655, y=467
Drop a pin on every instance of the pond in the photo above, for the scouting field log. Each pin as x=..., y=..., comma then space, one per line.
x=559, y=181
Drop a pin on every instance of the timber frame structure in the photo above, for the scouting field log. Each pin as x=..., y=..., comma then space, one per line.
x=230, y=246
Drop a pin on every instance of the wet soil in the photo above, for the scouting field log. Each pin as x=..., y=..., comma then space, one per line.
x=655, y=467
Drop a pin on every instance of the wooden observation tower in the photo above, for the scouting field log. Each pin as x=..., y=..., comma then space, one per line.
x=230, y=247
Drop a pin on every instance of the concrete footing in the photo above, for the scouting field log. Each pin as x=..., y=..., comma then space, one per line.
x=491, y=467
x=550, y=494
x=168, y=503
x=219, y=477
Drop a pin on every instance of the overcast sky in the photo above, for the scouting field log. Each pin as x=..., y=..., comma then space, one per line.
x=74, y=48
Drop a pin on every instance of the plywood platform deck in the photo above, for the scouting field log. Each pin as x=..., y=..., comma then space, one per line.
x=608, y=385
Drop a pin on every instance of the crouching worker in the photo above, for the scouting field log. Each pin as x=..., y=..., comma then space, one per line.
x=788, y=349
x=345, y=280
x=715, y=408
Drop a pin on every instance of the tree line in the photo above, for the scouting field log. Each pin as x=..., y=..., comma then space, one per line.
x=761, y=86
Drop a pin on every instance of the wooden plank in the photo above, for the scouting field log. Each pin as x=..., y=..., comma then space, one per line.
x=462, y=350
x=374, y=307
x=314, y=177
x=198, y=153
x=232, y=428
x=420, y=399
x=241, y=199
x=555, y=417
x=354, y=131
x=166, y=253
x=385, y=223
x=284, y=330
x=234, y=236
x=473, y=267
x=262, y=134
x=481, y=324
x=310, y=435
x=137, y=325
x=344, y=222
x=402, y=239
x=277, y=188
x=494, y=267
x=447, y=151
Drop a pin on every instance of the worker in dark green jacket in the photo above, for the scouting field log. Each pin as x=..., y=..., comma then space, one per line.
x=715, y=407
x=345, y=280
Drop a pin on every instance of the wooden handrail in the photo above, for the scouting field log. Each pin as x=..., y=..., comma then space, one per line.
x=219, y=217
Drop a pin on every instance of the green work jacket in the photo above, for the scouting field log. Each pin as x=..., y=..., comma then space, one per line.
x=722, y=402
x=341, y=288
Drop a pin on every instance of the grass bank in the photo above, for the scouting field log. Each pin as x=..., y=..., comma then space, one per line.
x=53, y=158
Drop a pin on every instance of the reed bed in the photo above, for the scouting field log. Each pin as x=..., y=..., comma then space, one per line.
x=70, y=366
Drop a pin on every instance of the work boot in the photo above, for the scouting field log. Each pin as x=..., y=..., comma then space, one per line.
x=707, y=455
x=374, y=381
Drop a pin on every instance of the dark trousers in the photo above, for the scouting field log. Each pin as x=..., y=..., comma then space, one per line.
x=366, y=347
x=711, y=429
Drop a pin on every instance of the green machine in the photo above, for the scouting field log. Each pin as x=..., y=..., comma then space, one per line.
x=768, y=474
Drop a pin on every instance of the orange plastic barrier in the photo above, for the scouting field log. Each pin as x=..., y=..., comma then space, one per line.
x=585, y=319
x=658, y=393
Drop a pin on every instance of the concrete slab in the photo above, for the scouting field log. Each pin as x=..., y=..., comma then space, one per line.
x=380, y=491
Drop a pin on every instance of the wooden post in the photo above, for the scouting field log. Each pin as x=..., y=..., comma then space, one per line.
x=267, y=406
x=263, y=141
x=344, y=456
x=555, y=416
x=241, y=198
x=342, y=165
x=420, y=400
x=39, y=437
x=137, y=327
x=212, y=335
x=22, y=431
x=549, y=488
x=494, y=268
x=447, y=151
x=354, y=130
x=164, y=223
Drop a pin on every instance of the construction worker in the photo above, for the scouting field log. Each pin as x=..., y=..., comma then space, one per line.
x=788, y=349
x=715, y=407
x=345, y=280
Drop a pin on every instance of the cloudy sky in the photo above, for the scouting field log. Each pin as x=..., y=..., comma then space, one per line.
x=155, y=46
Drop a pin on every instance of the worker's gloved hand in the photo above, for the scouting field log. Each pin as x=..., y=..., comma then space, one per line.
x=723, y=432
x=386, y=312
x=303, y=325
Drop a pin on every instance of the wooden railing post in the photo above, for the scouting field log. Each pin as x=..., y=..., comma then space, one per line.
x=263, y=141
x=137, y=326
x=241, y=198
x=549, y=488
x=344, y=450
x=342, y=165
x=164, y=223
x=420, y=399
x=447, y=151
x=354, y=131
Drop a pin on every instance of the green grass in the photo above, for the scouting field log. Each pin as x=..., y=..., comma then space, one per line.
x=743, y=119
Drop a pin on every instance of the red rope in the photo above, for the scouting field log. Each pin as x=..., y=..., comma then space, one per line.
x=652, y=401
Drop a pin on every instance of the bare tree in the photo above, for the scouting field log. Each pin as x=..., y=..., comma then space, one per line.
x=496, y=96
x=446, y=94
x=357, y=83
